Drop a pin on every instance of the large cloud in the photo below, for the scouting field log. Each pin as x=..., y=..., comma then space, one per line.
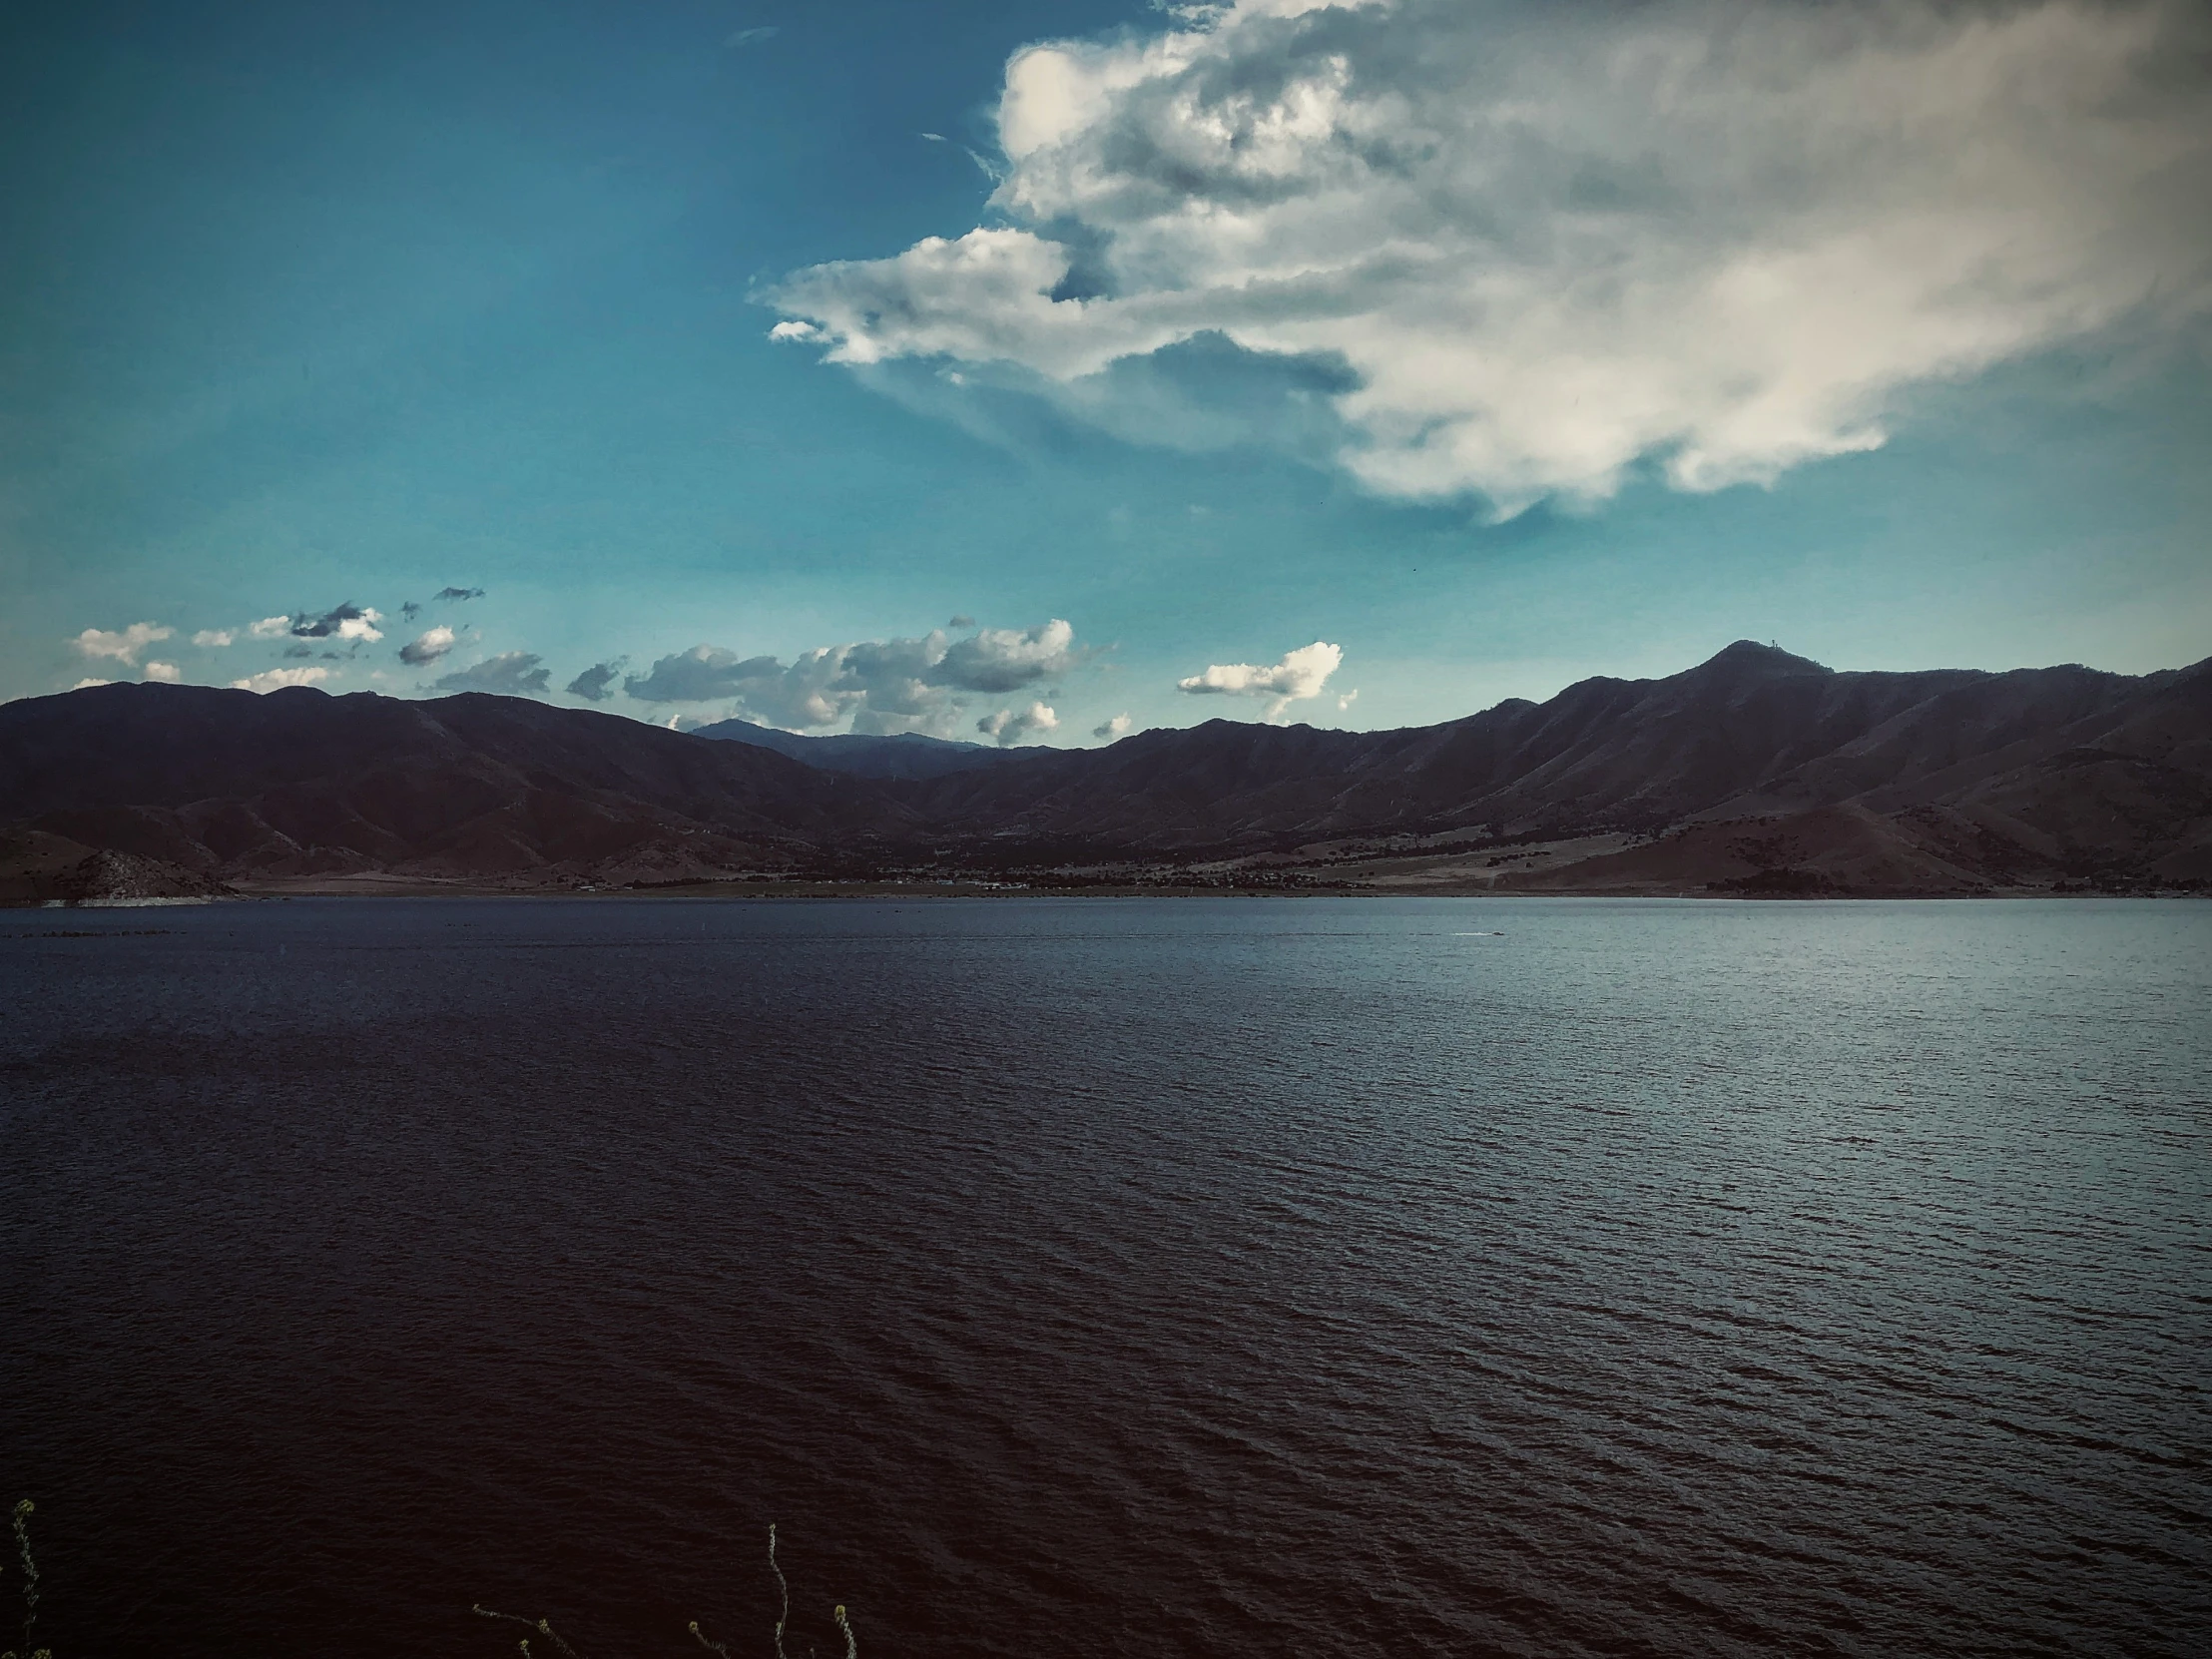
x=510, y=674
x=1551, y=242
x=1006, y=659
x=884, y=686
x=1299, y=675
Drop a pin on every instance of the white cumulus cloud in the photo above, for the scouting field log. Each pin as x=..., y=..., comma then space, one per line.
x=123, y=645
x=277, y=679
x=1299, y=675
x=1009, y=725
x=271, y=628
x=214, y=638
x=168, y=673
x=1548, y=243
x=1109, y=731
x=428, y=646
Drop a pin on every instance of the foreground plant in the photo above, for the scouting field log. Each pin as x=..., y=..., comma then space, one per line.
x=22, y=1528
x=544, y=1628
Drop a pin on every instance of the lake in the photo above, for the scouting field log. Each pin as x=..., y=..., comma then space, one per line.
x=1099, y=1277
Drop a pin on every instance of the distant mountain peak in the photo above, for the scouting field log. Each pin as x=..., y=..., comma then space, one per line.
x=1749, y=659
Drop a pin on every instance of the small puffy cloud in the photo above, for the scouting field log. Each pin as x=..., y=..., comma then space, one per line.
x=271, y=628
x=740, y=38
x=1548, y=246
x=214, y=638
x=410, y=611
x=168, y=673
x=457, y=594
x=1299, y=675
x=88, y=683
x=882, y=686
x=277, y=679
x=510, y=674
x=1008, y=727
x=343, y=622
x=963, y=620
x=596, y=682
x=428, y=647
x=1113, y=728
x=123, y=645
x=1346, y=702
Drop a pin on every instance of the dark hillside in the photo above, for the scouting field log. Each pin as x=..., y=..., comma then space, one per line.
x=298, y=782
x=1950, y=780
x=903, y=754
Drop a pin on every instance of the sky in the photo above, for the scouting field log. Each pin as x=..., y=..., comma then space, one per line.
x=1040, y=372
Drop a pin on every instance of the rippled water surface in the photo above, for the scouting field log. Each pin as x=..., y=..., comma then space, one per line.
x=1118, y=1278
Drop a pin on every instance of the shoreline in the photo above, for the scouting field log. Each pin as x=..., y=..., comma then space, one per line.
x=940, y=892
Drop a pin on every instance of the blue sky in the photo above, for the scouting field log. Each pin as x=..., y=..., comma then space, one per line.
x=300, y=311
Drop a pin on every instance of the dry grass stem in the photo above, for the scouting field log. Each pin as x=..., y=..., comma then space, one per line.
x=20, y=1521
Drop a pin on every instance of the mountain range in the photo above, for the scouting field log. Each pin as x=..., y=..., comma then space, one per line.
x=897, y=754
x=1757, y=771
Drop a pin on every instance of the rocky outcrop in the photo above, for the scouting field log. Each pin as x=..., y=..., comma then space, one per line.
x=41, y=869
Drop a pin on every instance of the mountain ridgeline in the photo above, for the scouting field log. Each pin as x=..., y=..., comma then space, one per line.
x=1757, y=773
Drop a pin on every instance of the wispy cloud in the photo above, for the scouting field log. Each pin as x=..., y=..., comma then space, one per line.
x=510, y=674
x=277, y=679
x=121, y=645
x=750, y=37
